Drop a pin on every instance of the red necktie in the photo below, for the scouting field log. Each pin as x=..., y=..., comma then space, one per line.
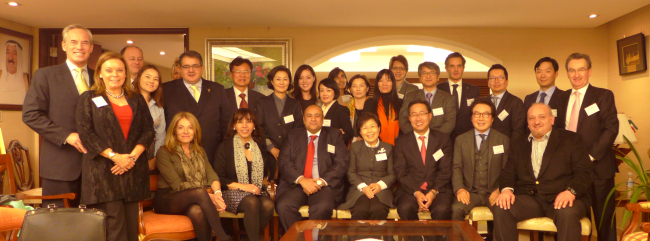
x=243, y=103
x=423, y=153
x=309, y=164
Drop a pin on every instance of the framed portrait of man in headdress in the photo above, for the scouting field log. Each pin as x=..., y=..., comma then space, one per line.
x=15, y=68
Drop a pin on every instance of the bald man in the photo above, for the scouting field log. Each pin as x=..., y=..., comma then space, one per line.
x=134, y=59
x=312, y=163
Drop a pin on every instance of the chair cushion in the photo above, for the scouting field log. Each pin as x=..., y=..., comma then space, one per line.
x=480, y=214
x=638, y=236
x=392, y=214
x=343, y=214
x=304, y=212
x=11, y=218
x=162, y=223
x=547, y=225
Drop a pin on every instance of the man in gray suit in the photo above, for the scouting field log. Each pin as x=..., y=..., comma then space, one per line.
x=479, y=156
x=49, y=109
x=443, y=106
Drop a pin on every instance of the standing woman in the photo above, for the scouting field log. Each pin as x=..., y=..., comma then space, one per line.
x=278, y=113
x=359, y=87
x=334, y=115
x=386, y=106
x=147, y=83
x=242, y=163
x=185, y=172
x=115, y=126
x=342, y=80
x=305, y=79
x=370, y=173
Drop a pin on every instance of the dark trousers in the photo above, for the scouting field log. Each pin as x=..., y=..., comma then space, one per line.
x=56, y=187
x=121, y=219
x=599, y=191
x=459, y=210
x=321, y=204
x=407, y=206
x=567, y=220
x=369, y=209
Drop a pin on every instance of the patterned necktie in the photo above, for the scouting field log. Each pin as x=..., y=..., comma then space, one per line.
x=429, y=97
x=455, y=94
x=482, y=139
x=575, y=113
x=82, y=86
x=495, y=101
x=309, y=163
x=243, y=103
x=197, y=93
x=541, y=99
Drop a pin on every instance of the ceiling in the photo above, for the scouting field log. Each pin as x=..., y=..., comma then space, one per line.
x=151, y=45
x=331, y=13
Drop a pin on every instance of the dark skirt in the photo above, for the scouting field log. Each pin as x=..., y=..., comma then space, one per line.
x=234, y=197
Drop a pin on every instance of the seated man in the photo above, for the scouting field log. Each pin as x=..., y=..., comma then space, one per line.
x=547, y=175
x=312, y=164
x=479, y=157
x=423, y=167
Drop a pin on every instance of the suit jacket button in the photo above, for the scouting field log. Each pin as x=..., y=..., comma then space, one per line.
x=536, y=182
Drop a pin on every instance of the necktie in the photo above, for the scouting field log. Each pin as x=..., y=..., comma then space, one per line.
x=455, y=94
x=82, y=86
x=495, y=101
x=423, y=153
x=243, y=103
x=197, y=93
x=309, y=164
x=482, y=139
x=575, y=113
x=429, y=97
x=541, y=99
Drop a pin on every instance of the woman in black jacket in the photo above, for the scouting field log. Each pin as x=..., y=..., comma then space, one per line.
x=242, y=163
x=335, y=116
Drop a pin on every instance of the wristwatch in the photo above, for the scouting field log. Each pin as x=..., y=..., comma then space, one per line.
x=111, y=155
x=319, y=182
x=571, y=190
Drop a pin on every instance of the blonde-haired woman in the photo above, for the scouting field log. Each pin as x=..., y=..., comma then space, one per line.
x=115, y=126
x=185, y=172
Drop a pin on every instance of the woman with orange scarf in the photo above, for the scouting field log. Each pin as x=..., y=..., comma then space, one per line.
x=386, y=105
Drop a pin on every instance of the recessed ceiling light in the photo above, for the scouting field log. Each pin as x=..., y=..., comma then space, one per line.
x=129, y=41
x=162, y=53
x=593, y=16
x=13, y=4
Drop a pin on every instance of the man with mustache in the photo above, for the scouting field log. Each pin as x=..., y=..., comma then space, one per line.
x=14, y=80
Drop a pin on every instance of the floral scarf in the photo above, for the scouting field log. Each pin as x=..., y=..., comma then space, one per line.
x=194, y=169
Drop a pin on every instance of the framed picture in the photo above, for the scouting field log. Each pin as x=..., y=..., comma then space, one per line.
x=631, y=54
x=264, y=53
x=15, y=68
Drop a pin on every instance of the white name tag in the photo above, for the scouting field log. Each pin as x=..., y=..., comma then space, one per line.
x=503, y=115
x=331, y=149
x=438, y=111
x=438, y=155
x=497, y=149
x=554, y=112
x=327, y=122
x=592, y=109
x=381, y=157
x=401, y=96
x=470, y=101
x=99, y=102
x=288, y=119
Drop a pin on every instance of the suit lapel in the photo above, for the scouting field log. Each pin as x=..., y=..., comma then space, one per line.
x=303, y=144
x=414, y=147
x=437, y=100
x=529, y=163
x=133, y=103
x=186, y=97
x=472, y=143
x=205, y=95
x=68, y=80
x=322, y=150
x=555, y=96
x=502, y=103
x=586, y=101
x=230, y=93
x=551, y=147
x=430, y=150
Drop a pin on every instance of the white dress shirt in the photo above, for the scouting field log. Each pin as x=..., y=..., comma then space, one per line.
x=75, y=75
x=426, y=141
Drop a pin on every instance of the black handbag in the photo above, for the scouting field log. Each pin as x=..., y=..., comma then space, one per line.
x=54, y=223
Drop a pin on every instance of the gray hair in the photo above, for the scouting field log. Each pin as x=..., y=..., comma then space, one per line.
x=76, y=26
x=428, y=65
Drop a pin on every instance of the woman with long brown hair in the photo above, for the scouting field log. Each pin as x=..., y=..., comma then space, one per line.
x=305, y=83
x=148, y=83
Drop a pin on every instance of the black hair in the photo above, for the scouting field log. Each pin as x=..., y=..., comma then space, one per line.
x=393, y=98
x=239, y=61
x=484, y=101
x=498, y=66
x=190, y=54
x=330, y=83
x=297, y=93
x=547, y=59
x=272, y=74
x=365, y=117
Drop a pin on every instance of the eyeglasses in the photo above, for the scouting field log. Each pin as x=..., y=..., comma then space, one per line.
x=429, y=73
x=580, y=71
x=418, y=114
x=242, y=72
x=500, y=78
x=479, y=115
x=187, y=67
x=398, y=69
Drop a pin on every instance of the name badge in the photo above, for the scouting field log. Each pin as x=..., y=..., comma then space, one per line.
x=327, y=122
x=554, y=112
x=438, y=155
x=401, y=96
x=470, y=101
x=438, y=111
x=288, y=119
x=99, y=102
x=497, y=149
x=331, y=149
x=381, y=157
x=504, y=114
x=592, y=109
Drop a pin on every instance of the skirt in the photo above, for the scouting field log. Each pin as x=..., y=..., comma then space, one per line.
x=233, y=198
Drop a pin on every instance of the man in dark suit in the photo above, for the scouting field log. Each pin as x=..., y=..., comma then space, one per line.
x=591, y=112
x=442, y=103
x=204, y=99
x=239, y=95
x=548, y=174
x=423, y=168
x=546, y=70
x=510, y=118
x=464, y=94
x=312, y=163
x=479, y=157
x=49, y=109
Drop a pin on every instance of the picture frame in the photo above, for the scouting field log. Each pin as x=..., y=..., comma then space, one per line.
x=265, y=53
x=632, y=54
x=16, y=57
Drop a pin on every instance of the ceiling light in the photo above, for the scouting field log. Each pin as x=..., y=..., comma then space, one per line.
x=129, y=42
x=162, y=53
x=593, y=16
x=13, y=4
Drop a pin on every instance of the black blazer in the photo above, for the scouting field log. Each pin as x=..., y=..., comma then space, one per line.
x=530, y=100
x=598, y=131
x=514, y=124
x=339, y=117
x=408, y=166
x=225, y=163
x=213, y=110
x=463, y=114
x=331, y=167
x=274, y=126
x=565, y=164
x=99, y=130
x=49, y=109
x=253, y=99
